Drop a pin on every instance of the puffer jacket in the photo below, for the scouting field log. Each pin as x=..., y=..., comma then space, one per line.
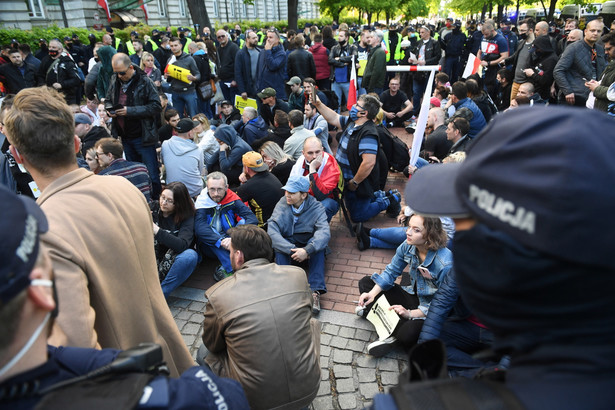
x=575, y=65
x=321, y=60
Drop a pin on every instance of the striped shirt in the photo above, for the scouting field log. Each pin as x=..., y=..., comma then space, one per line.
x=135, y=172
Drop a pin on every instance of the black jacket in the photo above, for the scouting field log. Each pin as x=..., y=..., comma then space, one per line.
x=65, y=73
x=301, y=64
x=345, y=54
x=227, y=55
x=243, y=73
x=433, y=54
x=267, y=113
x=14, y=81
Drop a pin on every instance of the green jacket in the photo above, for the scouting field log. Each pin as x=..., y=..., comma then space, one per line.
x=602, y=103
x=375, y=70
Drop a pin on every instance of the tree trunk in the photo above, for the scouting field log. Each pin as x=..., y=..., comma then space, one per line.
x=483, y=12
x=517, y=14
x=551, y=10
x=198, y=12
x=500, y=12
x=293, y=18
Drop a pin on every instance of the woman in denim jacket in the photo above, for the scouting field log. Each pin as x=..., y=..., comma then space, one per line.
x=429, y=262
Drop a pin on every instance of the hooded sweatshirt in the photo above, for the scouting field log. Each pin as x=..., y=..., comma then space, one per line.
x=232, y=155
x=183, y=161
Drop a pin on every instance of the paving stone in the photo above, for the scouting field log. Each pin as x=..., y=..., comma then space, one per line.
x=325, y=351
x=189, y=339
x=347, y=332
x=181, y=303
x=191, y=329
x=324, y=362
x=344, y=385
x=342, y=356
x=180, y=323
x=366, y=375
x=368, y=390
x=389, y=378
x=197, y=318
x=367, y=361
x=356, y=345
x=324, y=388
x=342, y=371
x=388, y=364
x=175, y=311
x=184, y=315
x=338, y=342
x=325, y=339
x=347, y=401
x=331, y=329
x=198, y=306
x=323, y=403
x=324, y=374
x=362, y=334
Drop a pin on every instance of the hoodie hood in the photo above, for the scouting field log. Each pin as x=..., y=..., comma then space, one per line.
x=226, y=134
x=543, y=43
x=204, y=201
x=180, y=146
x=258, y=122
x=199, y=53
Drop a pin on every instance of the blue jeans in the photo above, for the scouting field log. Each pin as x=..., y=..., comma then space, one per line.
x=316, y=275
x=387, y=238
x=360, y=90
x=228, y=92
x=361, y=209
x=341, y=89
x=418, y=89
x=182, y=268
x=331, y=207
x=205, y=108
x=135, y=151
x=462, y=340
x=221, y=254
x=185, y=101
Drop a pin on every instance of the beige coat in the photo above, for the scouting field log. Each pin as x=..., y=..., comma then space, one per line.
x=259, y=329
x=101, y=243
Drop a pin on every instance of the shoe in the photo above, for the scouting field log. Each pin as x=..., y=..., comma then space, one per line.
x=221, y=273
x=358, y=228
x=394, y=207
x=359, y=310
x=410, y=129
x=316, y=303
x=380, y=348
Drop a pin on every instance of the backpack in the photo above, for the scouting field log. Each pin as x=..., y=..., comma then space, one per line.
x=395, y=150
x=332, y=101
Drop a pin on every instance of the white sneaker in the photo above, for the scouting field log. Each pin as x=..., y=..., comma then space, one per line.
x=381, y=347
x=359, y=310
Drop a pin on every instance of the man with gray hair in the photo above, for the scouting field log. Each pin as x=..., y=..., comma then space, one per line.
x=298, y=134
x=374, y=76
x=251, y=127
x=58, y=70
x=226, y=54
x=493, y=51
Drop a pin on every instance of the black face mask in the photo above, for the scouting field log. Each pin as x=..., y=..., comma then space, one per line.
x=54, y=53
x=522, y=36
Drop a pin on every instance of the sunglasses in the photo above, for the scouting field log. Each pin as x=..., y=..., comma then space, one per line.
x=122, y=73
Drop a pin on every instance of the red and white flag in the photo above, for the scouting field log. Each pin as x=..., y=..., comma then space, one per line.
x=105, y=7
x=144, y=8
x=472, y=66
x=352, y=88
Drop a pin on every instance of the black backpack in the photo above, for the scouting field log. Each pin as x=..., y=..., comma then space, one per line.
x=396, y=151
x=332, y=100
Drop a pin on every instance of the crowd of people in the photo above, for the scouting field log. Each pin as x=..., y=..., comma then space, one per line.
x=146, y=140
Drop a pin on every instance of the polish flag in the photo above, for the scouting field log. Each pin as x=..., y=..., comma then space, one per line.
x=105, y=7
x=352, y=88
x=472, y=66
x=144, y=8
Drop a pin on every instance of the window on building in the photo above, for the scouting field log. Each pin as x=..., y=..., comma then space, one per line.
x=244, y=9
x=232, y=6
x=216, y=8
x=162, y=8
x=35, y=8
x=182, y=8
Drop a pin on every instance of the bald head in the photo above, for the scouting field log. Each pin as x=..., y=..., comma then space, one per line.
x=435, y=118
x=542, y=29
x=526, y=90
x=575, y=35
x=107, y=41
x=312, y=148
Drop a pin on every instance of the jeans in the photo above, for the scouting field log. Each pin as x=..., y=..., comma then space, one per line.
x=452, y=67
x=387, y=238
x=316, y=275
x=135, y=151
x=186, y=101
x=360, y=90
x=462, y=340
x=182, y=268
x=221, y=254
x=205, y=108
x=341, y=89
x=418, y=89
x=361, y=209
x=228, y=92
x=331, y=207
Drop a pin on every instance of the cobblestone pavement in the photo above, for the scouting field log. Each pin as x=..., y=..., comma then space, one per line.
x=350, y=377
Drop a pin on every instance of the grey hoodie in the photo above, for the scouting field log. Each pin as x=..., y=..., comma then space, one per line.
x=183, y=162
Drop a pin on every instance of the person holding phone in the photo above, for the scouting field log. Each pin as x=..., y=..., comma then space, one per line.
x=323, y=172
x=429, y=261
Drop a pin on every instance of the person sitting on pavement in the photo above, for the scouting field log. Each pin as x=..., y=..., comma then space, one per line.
x=204, y=137
x=279, y=133
x=251, y=127
x=457, y=131
x=270, y=104
x=258, y=327
x=295, y=99
x=173, y=216
x=299, y=231
x=182, y=158
x=228, y=114
x=396, y=105
x=217, y=210
x=228, y=158
x=259, y=188
x=459, y=99
x=429, y=262
x=30, y=303
x=323, y=173
x=298, y=134
x=171, y=118
x=357, y=155
x=109, y=152
x=315, y=122
x=280, y=163
x=527, y=90
x=87, y=132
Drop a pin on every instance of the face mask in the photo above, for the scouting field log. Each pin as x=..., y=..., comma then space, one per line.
x=54, y=53
x=566, y=32
x=448, y=25
x=523, y=36
x=342, y=43
x=506, y=30
x=168, y=47
x=181, y=35
x=354, y=113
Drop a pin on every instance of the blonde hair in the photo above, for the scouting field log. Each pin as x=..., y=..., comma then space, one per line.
x=458, y=156
x=143, y=57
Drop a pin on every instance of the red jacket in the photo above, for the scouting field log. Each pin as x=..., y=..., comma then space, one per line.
x=322, y=182
x=321, y=59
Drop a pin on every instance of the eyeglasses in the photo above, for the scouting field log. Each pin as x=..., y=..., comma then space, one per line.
x=362, y=109
x=166, y=200
x=120, y=73
x=222, y=36
x=98, y=154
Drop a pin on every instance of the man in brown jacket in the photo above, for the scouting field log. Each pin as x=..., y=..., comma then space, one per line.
x=106, y=276
x=259, y=327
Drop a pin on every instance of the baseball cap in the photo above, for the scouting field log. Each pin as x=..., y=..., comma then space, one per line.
x=294, y=80
x=82, y=119
x=225, y=102
x=67, y=38
x=134, y=33
x=185, y=125
x=21, y=223
x=155, y=31
x=267, y=92
x=254, y=160
x=297, y=183
x=522, y=176
x=434, y=101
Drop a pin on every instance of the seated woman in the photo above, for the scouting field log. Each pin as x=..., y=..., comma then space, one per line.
x=173, y=217
x=92, y=160
x=430, y=261
x=205, y=137
x=280, y=163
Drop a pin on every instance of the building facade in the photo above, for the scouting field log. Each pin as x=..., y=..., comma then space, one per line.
x=27, y=14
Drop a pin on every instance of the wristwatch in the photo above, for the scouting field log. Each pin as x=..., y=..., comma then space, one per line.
x=353, y=182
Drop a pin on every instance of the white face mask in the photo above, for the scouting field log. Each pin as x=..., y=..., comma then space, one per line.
x=36, y=282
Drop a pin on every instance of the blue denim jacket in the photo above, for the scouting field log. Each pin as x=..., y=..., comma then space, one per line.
x=438, y=262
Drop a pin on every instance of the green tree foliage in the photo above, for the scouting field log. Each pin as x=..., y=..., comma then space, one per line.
x=333, y=8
